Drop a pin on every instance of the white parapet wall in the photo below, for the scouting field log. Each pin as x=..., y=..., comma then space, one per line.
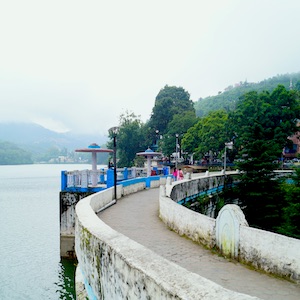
x=230, y=233
x=195, y=226
x=111, y=266
x=271, y=252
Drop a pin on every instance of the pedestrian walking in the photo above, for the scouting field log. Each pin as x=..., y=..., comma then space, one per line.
x=180, y=174
x=175, y=174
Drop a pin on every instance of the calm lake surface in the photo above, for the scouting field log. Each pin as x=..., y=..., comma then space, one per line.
x=30, y=263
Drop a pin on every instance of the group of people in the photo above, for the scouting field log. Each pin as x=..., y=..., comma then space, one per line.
x=178, y=174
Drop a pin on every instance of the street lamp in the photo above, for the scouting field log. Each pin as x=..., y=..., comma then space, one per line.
x=230, y=147
x=114, y=131
x=176, y=158
x=156, y=139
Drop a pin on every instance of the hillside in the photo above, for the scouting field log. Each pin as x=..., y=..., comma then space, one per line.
x=35, y=143
x=228, y=99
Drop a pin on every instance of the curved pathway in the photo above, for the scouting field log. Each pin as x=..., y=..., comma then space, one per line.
x=136, y=216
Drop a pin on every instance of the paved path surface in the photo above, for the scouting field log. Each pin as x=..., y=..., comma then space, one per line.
x=136, y=216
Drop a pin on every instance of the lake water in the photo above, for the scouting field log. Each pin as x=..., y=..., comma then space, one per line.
x=30, y=263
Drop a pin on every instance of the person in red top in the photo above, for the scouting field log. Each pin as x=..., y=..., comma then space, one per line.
x=175, y=174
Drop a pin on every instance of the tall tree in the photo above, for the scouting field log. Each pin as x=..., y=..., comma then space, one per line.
x=171, y=100
x=179, y=125
x=130, y=139
x=208, y=135
x=263, y=123
x=291, y=211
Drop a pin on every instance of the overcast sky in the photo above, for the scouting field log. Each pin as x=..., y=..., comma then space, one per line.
x=77, y=65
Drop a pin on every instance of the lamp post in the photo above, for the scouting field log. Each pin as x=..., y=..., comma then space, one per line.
x=114, y=132
x=176, y=158
x=227, y=146
x=156, y=139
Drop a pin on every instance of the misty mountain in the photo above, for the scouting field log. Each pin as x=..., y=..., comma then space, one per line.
x=35, y=138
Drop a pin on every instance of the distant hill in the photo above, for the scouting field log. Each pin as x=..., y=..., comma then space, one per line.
x=230, y=96
x=38, y=140
x=11, y=154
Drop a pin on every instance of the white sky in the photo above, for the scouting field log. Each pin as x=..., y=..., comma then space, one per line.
x=78, y=65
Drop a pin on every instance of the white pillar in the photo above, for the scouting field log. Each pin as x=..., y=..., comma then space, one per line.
x=94, y=169
x=148, y=165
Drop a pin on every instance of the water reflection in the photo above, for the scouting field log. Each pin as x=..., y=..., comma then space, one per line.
x=66, y=284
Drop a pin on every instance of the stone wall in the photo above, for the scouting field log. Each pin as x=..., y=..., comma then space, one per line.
x=68, y=201
x=271, y=252
x=186, y=188
x=195, y=226
x=111, y=266
x=230, y=233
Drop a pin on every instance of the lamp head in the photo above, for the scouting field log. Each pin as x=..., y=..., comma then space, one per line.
x=114, y=130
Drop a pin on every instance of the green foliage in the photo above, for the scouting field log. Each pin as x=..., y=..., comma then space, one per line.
x=229, y=99
x=262, y=123
x=208, y=135
x=170, y=101
x=139, y=161
x=291, y=212
x=10, y=154
x=130, y=139
x=179, y=125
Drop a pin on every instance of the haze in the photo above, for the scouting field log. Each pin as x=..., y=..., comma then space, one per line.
x=77, y=65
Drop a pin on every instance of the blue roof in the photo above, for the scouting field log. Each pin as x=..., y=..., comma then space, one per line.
x=93, y=146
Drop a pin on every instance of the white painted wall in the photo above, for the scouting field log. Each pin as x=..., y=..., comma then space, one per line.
x=114, y=267
x=133, y=188
x=264, y=250
x=184, y=221
x=270, y=252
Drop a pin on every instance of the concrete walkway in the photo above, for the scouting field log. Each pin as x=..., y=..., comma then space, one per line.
x=136, y=216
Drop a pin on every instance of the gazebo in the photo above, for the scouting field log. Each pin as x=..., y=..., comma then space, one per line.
x=149, y=154
x=94, y=149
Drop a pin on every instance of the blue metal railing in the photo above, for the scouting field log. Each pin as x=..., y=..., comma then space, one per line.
x=81, y=181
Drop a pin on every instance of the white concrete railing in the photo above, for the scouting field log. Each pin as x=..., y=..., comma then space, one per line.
x=271, y=252
x=111, y=266
x=83, y=178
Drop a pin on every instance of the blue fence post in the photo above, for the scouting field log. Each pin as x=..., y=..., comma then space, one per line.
x=63, y=180
x=148, y=182
x=166, y=171
x=110, y=178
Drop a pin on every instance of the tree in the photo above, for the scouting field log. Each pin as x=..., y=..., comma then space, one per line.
x=263, y=123
x=171, y=100
x=291, y=210
x=179, y=125
x=230, y=97
x=130, y=139
x=208, y=135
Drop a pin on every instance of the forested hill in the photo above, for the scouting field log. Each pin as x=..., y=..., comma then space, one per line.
x=228, y=99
